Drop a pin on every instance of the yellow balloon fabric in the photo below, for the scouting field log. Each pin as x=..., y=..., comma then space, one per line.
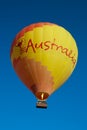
x=44, y=55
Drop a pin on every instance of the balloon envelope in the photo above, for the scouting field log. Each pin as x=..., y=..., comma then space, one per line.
x=44, y=55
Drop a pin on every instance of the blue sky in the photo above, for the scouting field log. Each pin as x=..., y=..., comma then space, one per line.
x=67, y=107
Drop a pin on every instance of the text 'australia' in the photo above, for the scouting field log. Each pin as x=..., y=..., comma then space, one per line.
x=47, y=45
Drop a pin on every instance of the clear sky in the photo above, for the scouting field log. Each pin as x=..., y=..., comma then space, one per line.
x=67, y=107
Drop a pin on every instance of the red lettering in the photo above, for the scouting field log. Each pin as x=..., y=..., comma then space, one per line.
x=61, y=47
x=39, y=46
x=53, y=45
x=69, y=53
x=19, y=44
x=30, y=44
x=65, y=50
x=46, y=44
x=22, y=49
x=74, y=61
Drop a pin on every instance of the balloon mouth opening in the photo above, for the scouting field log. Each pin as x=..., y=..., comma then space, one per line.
x=41, y=96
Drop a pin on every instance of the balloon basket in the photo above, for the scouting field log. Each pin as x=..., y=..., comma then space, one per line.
x=41, y=104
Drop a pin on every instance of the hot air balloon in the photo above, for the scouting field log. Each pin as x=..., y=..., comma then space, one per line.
x=43, y=55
